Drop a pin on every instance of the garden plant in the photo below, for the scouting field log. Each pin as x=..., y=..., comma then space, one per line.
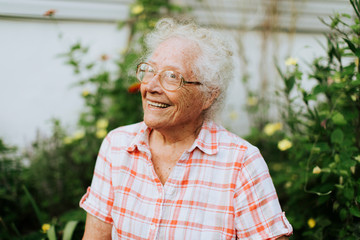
x=313, y=151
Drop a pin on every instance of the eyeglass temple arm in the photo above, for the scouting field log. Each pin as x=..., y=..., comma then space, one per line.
x=196, y=83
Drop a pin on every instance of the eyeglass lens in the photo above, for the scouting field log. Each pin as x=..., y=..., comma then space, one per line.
x=170, y=80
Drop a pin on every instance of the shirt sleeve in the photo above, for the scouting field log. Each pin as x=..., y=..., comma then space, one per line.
x=99, y=198
x=258, y=214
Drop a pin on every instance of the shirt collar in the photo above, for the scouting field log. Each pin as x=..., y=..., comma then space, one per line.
x=141, y=140
x=206, y=141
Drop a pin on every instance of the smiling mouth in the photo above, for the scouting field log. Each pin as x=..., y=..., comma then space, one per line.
x=158, y=105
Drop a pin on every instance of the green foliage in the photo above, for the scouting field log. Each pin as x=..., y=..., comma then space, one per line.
x=317, y=175
x=10, y=190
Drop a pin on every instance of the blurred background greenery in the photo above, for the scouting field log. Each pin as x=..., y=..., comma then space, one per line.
x=312, y=147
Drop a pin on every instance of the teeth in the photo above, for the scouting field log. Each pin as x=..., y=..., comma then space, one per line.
x=160, y=105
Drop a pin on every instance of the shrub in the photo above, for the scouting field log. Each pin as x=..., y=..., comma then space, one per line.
x=314, y=151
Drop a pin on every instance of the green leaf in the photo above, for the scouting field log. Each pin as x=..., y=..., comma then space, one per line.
x=343, y=214
x=290, y=82
x=90, y=66
x=324, y=146
x=335, y=22
x=355, y=83
x=352, y=47
x=348, y=163
x=338, y=119
x=310, y=97
x=51, y=233
x=34, y=205
x=69, y=229
x=76, y=46
x=355, y=211
x=319, y=89
x=337, y=136
x=349, y=193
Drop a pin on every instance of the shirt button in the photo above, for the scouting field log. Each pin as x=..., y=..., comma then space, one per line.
x=152, y=227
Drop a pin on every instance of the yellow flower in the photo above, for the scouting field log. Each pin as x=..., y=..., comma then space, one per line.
x=288, y=184
x=352, y=169
x=67, y=140
x=316, y=170
x=291, y=61
x=284, y=145
x=45, y=227
x=311, y=222
x=252, y=101
x=357, y=158
x=337, y=79
x=271, y=128
x=101, y=133
x=102, y=123
x=233, y=115
x=79, y=134
x=85, y=93
x=137, y=9
x=353, y=97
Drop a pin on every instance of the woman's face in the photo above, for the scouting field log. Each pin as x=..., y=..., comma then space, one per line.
x=181, y=108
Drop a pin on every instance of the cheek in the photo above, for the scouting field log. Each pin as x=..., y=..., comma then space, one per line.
x=184, y=101
x=189, y=103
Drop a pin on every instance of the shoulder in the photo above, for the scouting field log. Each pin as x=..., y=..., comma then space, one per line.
x=229, y=140
x=231, y=147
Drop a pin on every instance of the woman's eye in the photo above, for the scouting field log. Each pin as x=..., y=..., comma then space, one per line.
x=171, y=74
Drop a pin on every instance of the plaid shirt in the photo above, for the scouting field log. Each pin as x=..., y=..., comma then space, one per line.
x=219, y=189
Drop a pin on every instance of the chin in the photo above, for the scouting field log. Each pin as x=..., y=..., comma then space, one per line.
x=153, y=123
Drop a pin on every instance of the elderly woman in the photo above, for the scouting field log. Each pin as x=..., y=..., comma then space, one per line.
x=177, y=174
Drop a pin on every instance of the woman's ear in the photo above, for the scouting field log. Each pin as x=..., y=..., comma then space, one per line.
x=212, y=96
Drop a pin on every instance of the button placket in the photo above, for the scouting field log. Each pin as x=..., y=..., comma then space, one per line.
x=154, y=227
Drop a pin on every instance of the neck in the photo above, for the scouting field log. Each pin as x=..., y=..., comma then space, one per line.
x=183, y=135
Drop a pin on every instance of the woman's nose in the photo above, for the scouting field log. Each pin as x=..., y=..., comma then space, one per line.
x=153, y=84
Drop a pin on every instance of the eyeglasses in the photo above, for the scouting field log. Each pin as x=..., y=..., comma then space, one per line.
x=170, y=80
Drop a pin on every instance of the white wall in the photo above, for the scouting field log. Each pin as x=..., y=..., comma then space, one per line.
x=35, y=85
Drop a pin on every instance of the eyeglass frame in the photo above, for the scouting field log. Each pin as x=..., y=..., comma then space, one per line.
x=156, y=72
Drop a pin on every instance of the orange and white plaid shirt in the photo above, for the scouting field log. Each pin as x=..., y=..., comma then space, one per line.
x=219, y=189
